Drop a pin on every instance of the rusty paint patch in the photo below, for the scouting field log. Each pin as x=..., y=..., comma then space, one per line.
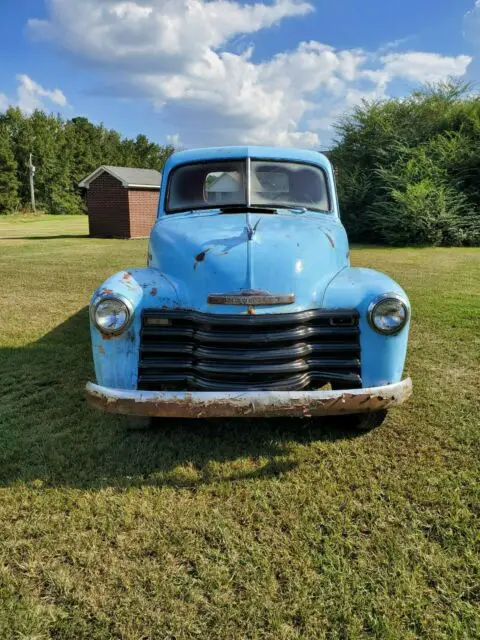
x=101, y=350
x=106, y=292
x=200, y=257
x=105, y=336
x=330, y=239
x=153, y=292
x=251, y=311
x=127, y=275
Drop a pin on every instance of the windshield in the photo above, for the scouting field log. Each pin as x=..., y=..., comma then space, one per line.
x=224, y=184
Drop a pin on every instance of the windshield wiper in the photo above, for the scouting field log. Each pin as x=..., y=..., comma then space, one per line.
x=233, y=208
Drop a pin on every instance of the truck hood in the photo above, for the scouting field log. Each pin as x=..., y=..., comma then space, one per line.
x=283, y=253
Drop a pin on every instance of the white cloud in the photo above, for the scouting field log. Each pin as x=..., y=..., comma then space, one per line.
x=180, y=55
x=156, y=31
x=471, y=24
x=423, y=67
x=32, y=96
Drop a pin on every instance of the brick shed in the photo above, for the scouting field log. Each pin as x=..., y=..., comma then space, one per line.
x=121, y=202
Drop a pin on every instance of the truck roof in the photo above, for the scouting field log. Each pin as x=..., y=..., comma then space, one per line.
x=237, y=153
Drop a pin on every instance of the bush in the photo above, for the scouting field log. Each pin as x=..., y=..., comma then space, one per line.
x=409, y=169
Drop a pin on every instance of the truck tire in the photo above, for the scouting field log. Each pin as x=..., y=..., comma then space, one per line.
x=365, y=421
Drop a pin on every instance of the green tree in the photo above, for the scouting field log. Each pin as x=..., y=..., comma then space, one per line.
x=9, y=200
x=19, y=130
x=64, y=152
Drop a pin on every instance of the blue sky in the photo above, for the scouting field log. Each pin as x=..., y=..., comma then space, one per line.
x=206, y=72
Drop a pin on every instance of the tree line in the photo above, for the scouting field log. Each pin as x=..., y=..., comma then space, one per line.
x=64, y=152
x=408, y=169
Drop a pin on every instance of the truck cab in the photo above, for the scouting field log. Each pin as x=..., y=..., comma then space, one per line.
x=248, y=305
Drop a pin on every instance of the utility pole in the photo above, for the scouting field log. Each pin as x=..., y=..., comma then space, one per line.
x=31, y=170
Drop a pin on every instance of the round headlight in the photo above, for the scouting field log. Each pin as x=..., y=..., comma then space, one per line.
x=111, y=315
x=388, y=314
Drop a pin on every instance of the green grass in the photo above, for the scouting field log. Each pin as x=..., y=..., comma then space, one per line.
x=40, y=226
x=232, y=530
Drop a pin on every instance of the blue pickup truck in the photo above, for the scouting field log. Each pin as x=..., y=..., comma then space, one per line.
x=248, y=305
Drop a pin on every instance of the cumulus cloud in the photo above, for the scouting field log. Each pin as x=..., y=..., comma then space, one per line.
x=422, y=67
x=179, y=55
x=32, y=95
x=156, y=32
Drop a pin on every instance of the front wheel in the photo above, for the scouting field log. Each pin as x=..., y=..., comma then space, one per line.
x=365, y=421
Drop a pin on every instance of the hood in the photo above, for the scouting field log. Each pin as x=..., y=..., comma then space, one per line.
x=283, y=253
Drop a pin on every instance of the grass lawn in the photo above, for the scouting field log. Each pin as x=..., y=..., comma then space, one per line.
x=41, y=226
x=231, y=530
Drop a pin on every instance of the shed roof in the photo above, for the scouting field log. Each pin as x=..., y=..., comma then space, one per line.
x=128, y=176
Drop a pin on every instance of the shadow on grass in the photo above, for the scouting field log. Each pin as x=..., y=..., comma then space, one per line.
x=49, y=436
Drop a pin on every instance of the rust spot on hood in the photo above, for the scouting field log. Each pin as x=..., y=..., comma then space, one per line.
x=106, y=292
x=200, y=257
x=251, y=311
x=153, y=292
x=127, y=275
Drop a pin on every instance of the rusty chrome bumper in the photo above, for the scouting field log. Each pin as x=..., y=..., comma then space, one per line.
x=200, y=404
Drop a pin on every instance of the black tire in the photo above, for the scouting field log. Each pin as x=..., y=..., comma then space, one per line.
x=365, y=421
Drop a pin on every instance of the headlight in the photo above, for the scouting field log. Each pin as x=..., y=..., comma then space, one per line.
x=112, y=314
x=388, y=314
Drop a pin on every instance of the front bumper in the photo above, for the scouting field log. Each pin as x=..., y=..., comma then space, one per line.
x=200, y=404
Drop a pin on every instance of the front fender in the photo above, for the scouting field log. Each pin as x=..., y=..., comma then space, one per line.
x=382, y=357
x=116, y=357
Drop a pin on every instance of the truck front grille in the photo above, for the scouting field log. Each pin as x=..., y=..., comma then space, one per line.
x=292, y=351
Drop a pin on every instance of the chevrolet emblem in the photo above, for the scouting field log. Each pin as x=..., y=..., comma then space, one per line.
x=248, y=298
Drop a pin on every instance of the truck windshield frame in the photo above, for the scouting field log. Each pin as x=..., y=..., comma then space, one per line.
x=270, y=183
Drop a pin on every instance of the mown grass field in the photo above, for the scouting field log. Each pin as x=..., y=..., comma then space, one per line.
x=231, y=530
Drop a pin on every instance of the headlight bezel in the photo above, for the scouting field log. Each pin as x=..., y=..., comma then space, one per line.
x=113, y=296
x=380, y=299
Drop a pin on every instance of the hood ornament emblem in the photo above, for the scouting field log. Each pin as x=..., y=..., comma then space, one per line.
x=248, y=297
